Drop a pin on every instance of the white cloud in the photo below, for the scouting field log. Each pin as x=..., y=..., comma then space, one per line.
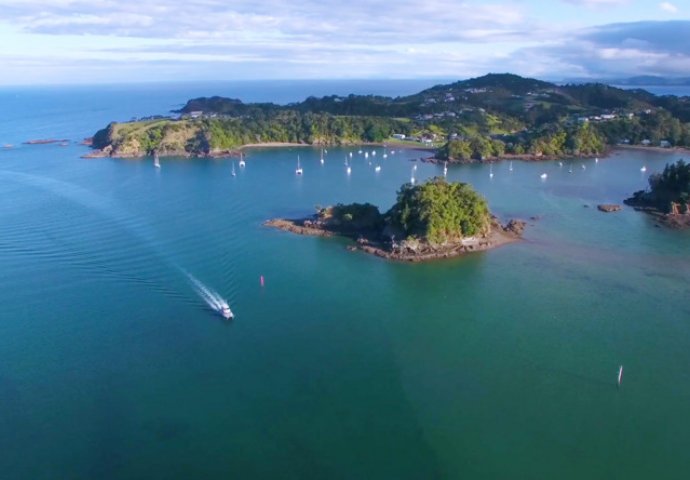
x=668, y=7
x=615, y=51
x=330, y=38
x=598, y=3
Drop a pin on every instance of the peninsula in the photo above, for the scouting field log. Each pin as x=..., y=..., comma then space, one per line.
x=433, y=220
x=480, y=119
x=668, y=197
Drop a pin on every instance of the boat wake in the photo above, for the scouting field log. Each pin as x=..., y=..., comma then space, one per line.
x=212, y=298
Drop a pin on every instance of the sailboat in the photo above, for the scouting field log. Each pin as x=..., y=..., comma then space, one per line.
x=298, y=171
x=412, y=179
x=242, y=160
x=491, y=171
x=620, y=375
x=377, y=168
x=445, y=169
x=510, y=167
x=348, y=169
x=156, y=160
x=322, y=160
x=543, y=176
x=643, y=169
x=233, y=173
x=385, y=155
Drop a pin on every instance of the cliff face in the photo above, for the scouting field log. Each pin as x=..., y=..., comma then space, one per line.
x=167, y=137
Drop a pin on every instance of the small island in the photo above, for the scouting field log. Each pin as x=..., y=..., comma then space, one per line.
x=433, y=220
x=668, y=197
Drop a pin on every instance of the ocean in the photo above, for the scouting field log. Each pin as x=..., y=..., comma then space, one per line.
x=500, y=364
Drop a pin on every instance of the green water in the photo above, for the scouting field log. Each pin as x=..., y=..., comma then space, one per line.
x=501, y=364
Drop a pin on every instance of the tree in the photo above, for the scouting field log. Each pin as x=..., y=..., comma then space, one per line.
x=439, y=212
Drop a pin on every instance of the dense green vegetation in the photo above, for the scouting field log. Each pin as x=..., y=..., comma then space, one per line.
x=439, y=212
x=205, y=135
x=670, y=186
x=435, y=212
x=473, y=119
x=355, y=217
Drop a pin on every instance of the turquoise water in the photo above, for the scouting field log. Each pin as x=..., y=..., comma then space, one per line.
x=501, y=364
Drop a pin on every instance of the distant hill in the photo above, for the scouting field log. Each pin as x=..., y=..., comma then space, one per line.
x=526, y=99
x=640, y=81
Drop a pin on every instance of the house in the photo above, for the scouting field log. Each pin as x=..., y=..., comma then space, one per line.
x=196, y=113
x=665, y=144
x=399, y=136
x=646, y=142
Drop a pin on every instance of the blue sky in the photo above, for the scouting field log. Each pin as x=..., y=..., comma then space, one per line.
x=95, y=41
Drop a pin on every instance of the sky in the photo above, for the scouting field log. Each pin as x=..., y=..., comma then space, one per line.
x=114, y=41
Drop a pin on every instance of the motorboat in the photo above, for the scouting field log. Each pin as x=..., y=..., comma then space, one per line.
x=226, y=312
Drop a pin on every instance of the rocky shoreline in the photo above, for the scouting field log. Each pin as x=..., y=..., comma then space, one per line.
x=422, y=252
x=675, y=221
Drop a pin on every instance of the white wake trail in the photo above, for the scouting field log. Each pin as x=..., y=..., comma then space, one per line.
x=210, y=296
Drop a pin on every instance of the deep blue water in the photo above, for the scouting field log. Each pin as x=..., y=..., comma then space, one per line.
x=498, y=365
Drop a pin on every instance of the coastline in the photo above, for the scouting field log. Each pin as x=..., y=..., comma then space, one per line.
x=499, y=235
x=674, y=221
x=681, y=150
x=107, y=152
x=522, y=157
x=236, y=152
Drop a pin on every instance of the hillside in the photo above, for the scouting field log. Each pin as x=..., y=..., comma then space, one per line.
x=515, y=115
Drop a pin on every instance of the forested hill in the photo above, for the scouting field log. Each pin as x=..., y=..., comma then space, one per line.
x=525, y=98
x=479, y=118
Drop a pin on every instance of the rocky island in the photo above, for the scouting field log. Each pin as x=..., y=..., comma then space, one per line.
x=433, y=220
x=668, y=197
